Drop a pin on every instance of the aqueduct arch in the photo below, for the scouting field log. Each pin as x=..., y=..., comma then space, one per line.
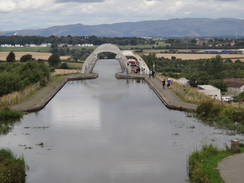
x=142, y=63
x=92, y=59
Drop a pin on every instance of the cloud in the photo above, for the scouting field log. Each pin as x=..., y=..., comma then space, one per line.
x=13, y=5
x=7, y=5
x=79, y=1
x=45, y=13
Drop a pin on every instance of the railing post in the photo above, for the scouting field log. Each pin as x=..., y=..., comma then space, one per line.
x=235, y=146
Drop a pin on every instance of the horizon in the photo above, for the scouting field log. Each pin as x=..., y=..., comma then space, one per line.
x=39, y=28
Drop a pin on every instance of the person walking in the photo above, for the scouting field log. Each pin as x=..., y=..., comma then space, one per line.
x=168, y=83
x=163, y=83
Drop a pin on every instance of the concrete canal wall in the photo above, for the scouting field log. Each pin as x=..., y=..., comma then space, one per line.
x=45, y=94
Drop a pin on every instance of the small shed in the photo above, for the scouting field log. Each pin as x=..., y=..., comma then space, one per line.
x=210, y=90
x=183, y=81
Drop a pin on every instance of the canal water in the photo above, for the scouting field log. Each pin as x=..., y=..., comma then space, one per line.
x=108, y=131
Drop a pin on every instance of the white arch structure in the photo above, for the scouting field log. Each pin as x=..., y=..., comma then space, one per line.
x=92, y=59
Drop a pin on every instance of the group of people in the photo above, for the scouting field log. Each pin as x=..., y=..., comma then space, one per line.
x=151, y=74
x=164, y=83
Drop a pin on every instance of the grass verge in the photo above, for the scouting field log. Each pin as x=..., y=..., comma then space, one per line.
x=202, y=165
x=12, y=169
x=7, y=119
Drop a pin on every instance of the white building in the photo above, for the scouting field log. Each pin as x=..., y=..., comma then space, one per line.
x=210, y=90
x=236, y=87
x=242, y=50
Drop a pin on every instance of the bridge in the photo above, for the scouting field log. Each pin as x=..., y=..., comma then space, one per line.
x=92, y=59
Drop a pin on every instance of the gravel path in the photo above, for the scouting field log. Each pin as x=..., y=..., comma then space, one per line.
x=40, y=98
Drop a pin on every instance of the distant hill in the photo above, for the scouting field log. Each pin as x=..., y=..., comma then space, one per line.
x=192, y=27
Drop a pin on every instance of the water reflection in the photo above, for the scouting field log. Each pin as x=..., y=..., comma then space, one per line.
x=108, y=131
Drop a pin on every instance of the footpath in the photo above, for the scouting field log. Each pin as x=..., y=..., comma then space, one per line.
x=232, y=168
x=168, y=97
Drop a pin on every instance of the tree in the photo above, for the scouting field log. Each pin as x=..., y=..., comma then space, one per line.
x=173, y=58
x=150, y=60
x=239, y=97
x=64, y=66
x=10, y=57
x=200, y=78
x=219, y=84
x=54, y=60
x=216, y=67
x=25, y=58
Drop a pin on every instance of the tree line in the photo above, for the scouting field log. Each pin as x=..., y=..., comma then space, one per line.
x=171, y=43
x=73, y=40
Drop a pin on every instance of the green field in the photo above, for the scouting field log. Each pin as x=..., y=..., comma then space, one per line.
x=74, y=65
x=158, y=44
x=25, y=49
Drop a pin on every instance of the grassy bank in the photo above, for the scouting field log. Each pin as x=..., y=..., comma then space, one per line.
x=214, y=113
x=184, y=92
x=202, y=165
x=222, y=115
x=7, y=119
x=12, y=169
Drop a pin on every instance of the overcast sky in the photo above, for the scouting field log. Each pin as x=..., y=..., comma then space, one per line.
x=33, y=14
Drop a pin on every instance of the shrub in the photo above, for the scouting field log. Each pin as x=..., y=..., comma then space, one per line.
x=204, y=109
x=228, y=112
x=221, y=116
x=238, y=116
x=216, y=109
x=7, y=119
x=64, y=66
x=26, y=58
x=12, y=169
x=15, y=77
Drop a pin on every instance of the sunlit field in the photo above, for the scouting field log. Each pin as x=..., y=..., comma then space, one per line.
x=36, y=55
x=200, y=56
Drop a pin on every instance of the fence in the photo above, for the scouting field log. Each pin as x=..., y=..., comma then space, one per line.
x=65, y=71
x=16, y=97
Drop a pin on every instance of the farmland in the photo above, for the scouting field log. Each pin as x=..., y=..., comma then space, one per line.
x=185, y=56
x=36, y=55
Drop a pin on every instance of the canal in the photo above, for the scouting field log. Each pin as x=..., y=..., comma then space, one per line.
x=108, y=131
